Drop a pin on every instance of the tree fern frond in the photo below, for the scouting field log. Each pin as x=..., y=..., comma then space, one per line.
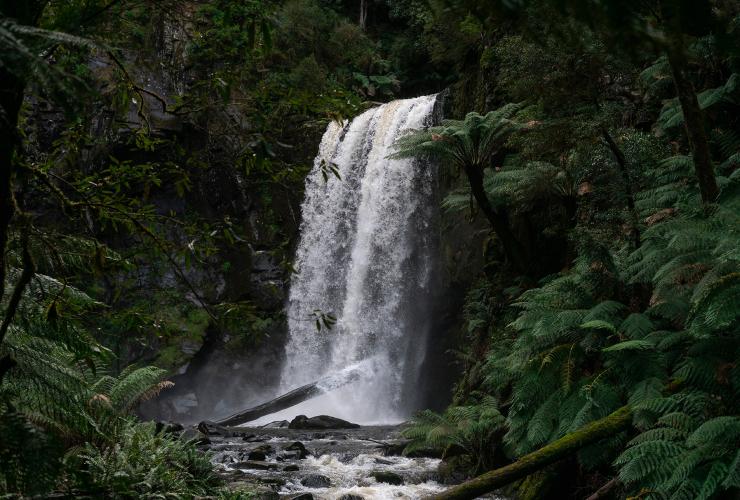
x=724, y=429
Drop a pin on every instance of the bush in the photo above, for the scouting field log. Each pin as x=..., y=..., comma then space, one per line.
x=143, y=463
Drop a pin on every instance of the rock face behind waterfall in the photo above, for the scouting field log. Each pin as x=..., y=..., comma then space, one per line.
x=366, y=255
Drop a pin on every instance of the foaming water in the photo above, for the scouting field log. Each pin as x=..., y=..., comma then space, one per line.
x=366, y=256
x=354, y=477
x=348, y=462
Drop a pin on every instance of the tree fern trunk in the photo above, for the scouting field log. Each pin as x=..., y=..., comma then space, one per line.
x=11, y=97
x=628, y=185
x=595, y=431
x=694, y=124
x=513, y=248
x=363, y=14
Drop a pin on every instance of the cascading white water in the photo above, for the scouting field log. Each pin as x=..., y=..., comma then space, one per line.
x=365, y=255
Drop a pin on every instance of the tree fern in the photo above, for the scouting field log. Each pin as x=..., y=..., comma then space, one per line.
x=470, y=428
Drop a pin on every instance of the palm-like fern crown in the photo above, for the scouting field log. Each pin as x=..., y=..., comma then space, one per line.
x=472, y=141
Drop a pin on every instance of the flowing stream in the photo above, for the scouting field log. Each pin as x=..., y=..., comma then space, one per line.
x=278, y=463
x=366, y=255
x=339, y=464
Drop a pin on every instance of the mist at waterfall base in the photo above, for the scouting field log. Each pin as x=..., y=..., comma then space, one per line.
x=367, y=255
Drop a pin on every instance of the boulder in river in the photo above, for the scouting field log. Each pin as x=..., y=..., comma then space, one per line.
x=256, y=464
x=296, y=450
x=383, y=476
x=291, y=468
x=257, y=491
x=316, y=481
x=398, y=448
x=260, y=453
x=303, y=496
x=321, y=422
x=351, y=496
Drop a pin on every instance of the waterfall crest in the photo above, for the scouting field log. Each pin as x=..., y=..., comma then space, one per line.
x=365, y=255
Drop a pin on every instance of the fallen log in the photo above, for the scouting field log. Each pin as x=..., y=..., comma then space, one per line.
x=283, y=402
x=608, y=426
x=299, y=395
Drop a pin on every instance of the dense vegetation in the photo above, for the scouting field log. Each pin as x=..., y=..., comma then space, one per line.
x=596, y=141
x=616, y=207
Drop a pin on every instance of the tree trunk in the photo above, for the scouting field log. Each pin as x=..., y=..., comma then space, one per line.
x=608, y=426
x=513, y=248
x=11, y=97
x=628, y=188
x=363, y=14
x=694, y=124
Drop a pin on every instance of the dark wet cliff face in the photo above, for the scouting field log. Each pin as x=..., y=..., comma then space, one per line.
x=224, y=355
x=222, y=364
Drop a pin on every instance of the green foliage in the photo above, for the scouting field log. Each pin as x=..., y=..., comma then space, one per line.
x=235, y=29
x=471, y=429
x=247, y=323
x=29, y=456
x=143, y=463
x=67, y=422
x=581, y=351
x=653, y=325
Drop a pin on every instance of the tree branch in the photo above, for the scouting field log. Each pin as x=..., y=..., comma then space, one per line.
x=87, y=202
x=605, y=489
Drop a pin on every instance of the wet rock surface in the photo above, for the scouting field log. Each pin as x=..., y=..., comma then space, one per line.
x=384, y=476
x=316, y=481
x=320, y=422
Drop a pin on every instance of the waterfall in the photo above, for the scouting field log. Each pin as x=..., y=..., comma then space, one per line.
x=367, y=244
